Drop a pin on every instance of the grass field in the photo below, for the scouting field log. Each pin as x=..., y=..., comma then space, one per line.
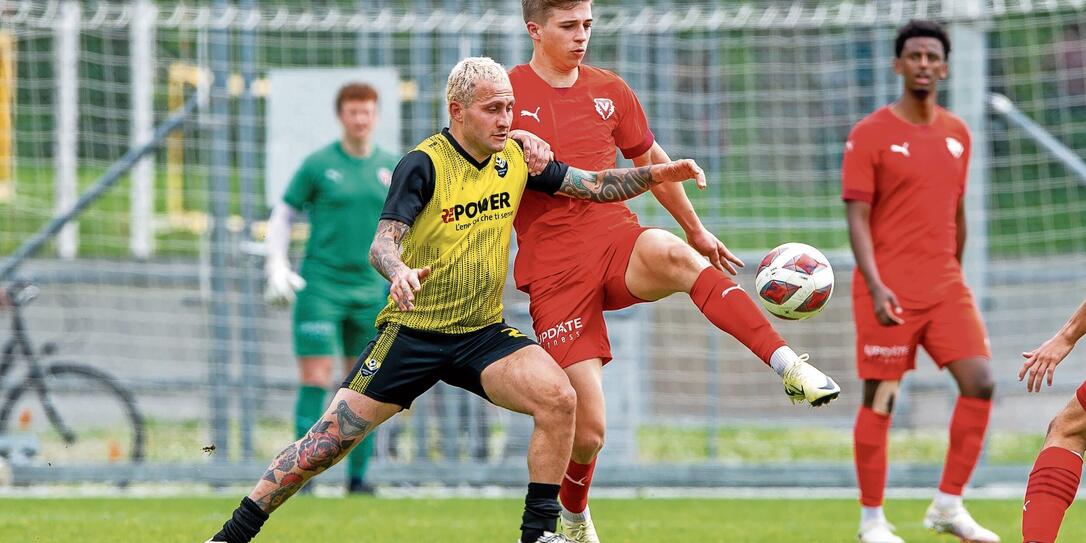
x=370, y=520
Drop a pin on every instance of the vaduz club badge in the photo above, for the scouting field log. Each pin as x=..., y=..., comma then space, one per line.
x=605, y=107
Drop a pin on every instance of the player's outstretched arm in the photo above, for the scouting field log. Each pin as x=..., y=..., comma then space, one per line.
x=385, y=258
x=625, y=183
x=1042, y=361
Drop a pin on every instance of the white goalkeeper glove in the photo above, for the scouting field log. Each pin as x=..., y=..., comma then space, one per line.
x=282, y=284
x=282, y=281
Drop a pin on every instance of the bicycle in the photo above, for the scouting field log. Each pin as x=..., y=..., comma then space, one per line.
x=82, y=413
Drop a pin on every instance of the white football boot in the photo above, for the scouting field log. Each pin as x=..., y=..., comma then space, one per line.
x=578, y=527
x=958, y=522
x=878, y=531
x=548, y=537
x=804, y=383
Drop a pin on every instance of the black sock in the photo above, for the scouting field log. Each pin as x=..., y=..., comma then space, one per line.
x=540, y=511
x=244, y=525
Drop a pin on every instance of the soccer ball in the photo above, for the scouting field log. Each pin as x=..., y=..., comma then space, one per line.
x=794, y=281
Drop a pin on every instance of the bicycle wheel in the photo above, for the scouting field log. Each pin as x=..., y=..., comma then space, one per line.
x=79, y=414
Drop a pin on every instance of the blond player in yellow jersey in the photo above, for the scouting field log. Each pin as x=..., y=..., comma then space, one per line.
x=443, y=242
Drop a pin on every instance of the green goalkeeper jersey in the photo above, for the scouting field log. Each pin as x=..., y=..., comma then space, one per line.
x=343, y=197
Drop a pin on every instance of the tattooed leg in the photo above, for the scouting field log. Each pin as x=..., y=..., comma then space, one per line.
x=344, y=424
x=326, y=443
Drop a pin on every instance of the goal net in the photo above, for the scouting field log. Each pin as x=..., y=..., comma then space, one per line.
x=148, y=286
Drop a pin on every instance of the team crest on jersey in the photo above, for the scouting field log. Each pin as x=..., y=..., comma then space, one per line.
x=955, y=147
x=333, y=175
x=501, y=166
x=605, y=107
x=384, y=175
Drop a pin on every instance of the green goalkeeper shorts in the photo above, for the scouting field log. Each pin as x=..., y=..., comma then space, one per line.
x=334, y=319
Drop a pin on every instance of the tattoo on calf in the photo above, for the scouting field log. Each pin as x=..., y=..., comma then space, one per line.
x=350, y=424
x=608, y=185
x=287, y=487
x=321, y=447
x=285, y=462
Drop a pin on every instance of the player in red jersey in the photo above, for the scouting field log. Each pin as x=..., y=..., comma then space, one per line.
x=1054, y=480
x=904, y=177
x=577, y=261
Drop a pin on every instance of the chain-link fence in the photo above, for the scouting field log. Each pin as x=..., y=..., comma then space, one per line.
x=157, y=282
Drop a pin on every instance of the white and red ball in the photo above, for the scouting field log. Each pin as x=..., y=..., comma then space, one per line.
x=794, y=281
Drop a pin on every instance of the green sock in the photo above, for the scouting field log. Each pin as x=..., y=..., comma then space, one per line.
x=359, y=459
x=308, y=409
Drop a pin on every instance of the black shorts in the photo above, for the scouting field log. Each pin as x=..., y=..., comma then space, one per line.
x=401, y=363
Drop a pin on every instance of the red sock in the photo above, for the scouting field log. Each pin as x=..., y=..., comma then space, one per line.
x=1050, y=491
x=728, y=307
x=574, y=492
x=869, y=446
x=967, y=427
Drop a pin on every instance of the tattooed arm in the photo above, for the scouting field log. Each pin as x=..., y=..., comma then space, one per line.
x=411, y=189
x=385, y=258
x=385, y=249
x=625, y=183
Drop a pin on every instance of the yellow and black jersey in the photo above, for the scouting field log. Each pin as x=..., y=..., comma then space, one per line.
x=460, y=212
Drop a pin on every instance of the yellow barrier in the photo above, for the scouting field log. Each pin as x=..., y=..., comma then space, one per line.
x=7, y=106
x=182, y=77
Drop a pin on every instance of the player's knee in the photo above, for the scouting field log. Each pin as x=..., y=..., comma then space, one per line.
x=564, y=401
x=558, y=403
x=987, y=389
x=1057, y=430
x=885, y=394
x=677, y=255
x=315, y=372
x=665, y=250
x=982, y=388
x=1065, y=426
x=885, y=406
x=315, y=379
x=589, y=439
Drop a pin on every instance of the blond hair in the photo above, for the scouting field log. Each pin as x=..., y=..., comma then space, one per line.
x=467, y=72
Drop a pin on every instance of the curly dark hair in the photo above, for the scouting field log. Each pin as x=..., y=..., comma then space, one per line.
x=920, y=28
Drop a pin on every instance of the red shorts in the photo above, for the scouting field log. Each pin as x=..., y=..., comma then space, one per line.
x=1081, y=394
x=567, y=307
x=949, y=331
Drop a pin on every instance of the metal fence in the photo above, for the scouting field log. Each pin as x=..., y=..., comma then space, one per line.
x=156, y=284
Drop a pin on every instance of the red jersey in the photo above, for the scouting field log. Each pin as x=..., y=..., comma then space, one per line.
x=583, y=125
x=914, y=177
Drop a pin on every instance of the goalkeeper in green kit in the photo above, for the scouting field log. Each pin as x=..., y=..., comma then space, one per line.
x=337, y=296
